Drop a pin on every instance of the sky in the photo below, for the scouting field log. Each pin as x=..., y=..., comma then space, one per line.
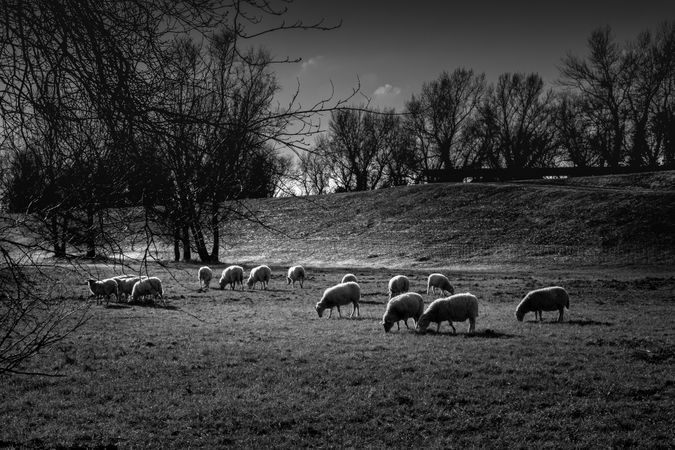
x=391, y=48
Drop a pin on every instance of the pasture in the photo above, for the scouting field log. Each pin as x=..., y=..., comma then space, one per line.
x=260, y=369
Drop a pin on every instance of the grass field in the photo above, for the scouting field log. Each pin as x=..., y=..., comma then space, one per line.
x=260, y=369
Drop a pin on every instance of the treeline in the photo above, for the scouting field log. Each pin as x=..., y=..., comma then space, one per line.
x=613, y=108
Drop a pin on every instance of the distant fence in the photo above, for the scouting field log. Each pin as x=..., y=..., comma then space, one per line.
x=460, y=175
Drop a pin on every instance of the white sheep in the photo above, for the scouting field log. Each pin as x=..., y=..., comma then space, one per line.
x=456, y=308
x=296, y=273
x=205, y=275
x=398, y=285
x=340, y=295
x=148, y=286
x=260, y=274
x=104, y=288
x=232, y=275
x=440, y=281
x=553, y=298
x=125, y=284
x=402, y=307
x=349, y=277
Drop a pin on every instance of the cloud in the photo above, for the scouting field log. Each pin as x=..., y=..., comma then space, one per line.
x=387, y=90
x=311, y=62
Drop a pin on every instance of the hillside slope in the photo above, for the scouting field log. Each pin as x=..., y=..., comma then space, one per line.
x=601, y=220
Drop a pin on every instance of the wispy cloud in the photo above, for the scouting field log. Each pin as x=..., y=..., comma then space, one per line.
x=387, y=90
x=311, y=62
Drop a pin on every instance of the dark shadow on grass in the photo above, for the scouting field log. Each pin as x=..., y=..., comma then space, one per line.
x=485, y=334
x=586, y=322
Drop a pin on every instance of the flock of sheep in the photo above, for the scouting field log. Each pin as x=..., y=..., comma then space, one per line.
x=402, y=305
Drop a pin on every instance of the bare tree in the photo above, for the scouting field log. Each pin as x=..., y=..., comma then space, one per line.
x=602, y=80
x=438, y=115
x=517, y=122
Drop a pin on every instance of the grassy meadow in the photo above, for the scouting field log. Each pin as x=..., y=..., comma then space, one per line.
x=260, y=369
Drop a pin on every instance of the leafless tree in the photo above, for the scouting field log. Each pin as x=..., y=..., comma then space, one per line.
x=438, y=116
x=517, y=123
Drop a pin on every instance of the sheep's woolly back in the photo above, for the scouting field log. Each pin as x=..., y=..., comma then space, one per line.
x=147, y=286
x=205, y=274
x=398, y=284
x=295, y=273
x=349, y=277
x=260, y=274
x=552, y=298
x=232, y=275
x=403, y=307
x=104, y=287
x=440, y=281
x=456, y=308
x=339, y=295
x=126, y=284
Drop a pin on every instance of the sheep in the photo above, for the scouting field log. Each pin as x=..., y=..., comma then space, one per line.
x=349, y=277
x=403, y=307
x=398, y=285
x=456, y=308
x=261, y=274
x=440, y=281
x=103, y=288
x=339, y=295
x=546, y=299
x=205, y=274
x=232, y=275
x=125, y=284
x=296, y=273
x=148, y=286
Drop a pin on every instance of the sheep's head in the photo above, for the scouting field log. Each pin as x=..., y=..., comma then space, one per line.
x=250, y=283
x=521, y=310
x=288, y=280
x=319, y=309
x=387, y=326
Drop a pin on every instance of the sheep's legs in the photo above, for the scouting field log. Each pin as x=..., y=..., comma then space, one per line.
x=453, y=327
x=438, y=327
x=560, y=316
x=472, y=325
x=406, y=324
x=330, y=314
x=339, y=313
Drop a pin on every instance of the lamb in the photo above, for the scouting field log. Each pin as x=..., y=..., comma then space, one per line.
x=440, y=281
x=349, y=277
x=546, y=299
x=403, y=307
x=104, y=288
x=148, y=286
x=340, y=295
x=125, y=284
x=398, y=285
x=205, y=274
x=296, y=273
x=232, y=275
x=456, y=308
x=260, y=274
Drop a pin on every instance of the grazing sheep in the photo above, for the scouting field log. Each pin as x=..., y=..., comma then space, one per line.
x=403, y=307
x=340, y=295
x=104, y=288
x=205, y=275
x=125, y=284
x=553, y=298
x=398, y=285
x=296, y=273
x=232, y=275
x=349, y=277
x=148, y=286
x=440, y=281
x=456, y=308
x=260, y=274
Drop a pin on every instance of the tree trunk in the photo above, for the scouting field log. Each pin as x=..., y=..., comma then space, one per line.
x=187, y=252
x=176, y=244
x=89, y=230
x=215, y=230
